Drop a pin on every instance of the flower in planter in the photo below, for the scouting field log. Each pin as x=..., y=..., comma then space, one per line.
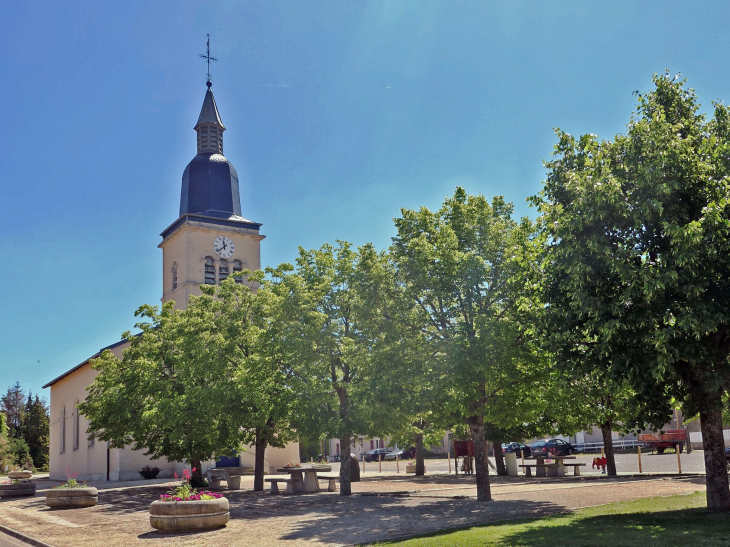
x=148, y=469
x=71, y=481
x=185, y=492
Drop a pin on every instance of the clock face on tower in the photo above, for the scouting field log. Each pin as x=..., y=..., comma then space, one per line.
x=223, y=246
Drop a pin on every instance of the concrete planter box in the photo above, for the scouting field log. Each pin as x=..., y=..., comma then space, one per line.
x=71, y=498
x=25, y=488
x=412, y=468
x=16, y=475
x=188, y=516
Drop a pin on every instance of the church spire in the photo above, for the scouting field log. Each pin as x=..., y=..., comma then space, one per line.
x=210, y=128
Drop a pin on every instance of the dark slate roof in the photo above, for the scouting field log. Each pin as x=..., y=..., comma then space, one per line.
x=210, y=183
x=209, y=112
x=77, y=367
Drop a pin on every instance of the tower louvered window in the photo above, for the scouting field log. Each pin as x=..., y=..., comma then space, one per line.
x=222, y=271
x=209, y=271
x=174, y=276
x=237, y=267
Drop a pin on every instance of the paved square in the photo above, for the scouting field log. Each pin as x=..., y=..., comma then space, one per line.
x=381, y=507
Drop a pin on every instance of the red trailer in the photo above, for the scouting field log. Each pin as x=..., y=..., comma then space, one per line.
x=661, y=441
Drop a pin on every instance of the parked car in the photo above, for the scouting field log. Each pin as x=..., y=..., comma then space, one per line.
x=372, y=455
x=402, y=453
x=552, y=447
x=514, y=447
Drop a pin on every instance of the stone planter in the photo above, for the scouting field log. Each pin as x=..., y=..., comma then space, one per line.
x=17, y=475
x=412, y=468
x=148, y=475
x=188, y=516
x=71, y=498
x=24, y=488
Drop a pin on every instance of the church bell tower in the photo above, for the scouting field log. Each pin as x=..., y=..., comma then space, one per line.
x=210, y=240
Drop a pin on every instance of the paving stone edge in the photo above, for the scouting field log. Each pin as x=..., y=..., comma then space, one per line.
x=23, y=537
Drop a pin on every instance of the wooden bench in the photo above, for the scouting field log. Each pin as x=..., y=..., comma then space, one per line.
x=331, y=481
x=275, y=485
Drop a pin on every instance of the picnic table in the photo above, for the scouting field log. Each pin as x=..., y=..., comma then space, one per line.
x=556, y=469
x=304, y=477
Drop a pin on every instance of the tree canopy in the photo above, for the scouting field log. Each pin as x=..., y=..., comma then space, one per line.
x=639, y=255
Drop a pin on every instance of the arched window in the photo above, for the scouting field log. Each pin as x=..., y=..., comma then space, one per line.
x=222, y=270
x=76, y=424
x=174, y=276
x=209, y=271
x=237, y=267
x=63, y=429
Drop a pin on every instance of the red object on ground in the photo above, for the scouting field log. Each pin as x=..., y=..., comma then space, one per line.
x=599, y=463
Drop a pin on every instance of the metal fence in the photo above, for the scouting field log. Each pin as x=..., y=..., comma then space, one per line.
x=618, y=444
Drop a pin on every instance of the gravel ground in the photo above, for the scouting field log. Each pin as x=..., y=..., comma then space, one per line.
x=383, y=506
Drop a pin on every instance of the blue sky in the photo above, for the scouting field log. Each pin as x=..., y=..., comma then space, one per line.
x=338, y=113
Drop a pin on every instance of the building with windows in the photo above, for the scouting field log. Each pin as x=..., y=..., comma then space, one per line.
x=208, y=242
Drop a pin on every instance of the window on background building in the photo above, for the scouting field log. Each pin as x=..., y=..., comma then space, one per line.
x=209, y=271
x=338, y=449
x=63, y=429
x=238, y=267
x=75, y=415
x=174, y=276
x=372, y=444
x=222, y=270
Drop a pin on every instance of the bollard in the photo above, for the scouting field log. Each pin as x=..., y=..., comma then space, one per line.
x=311, y=459
x=448, y=454
x=522, y=457
x=397, y=465
x=679, y=462
x=363, y=462
x=639, y=453
x=380, y=463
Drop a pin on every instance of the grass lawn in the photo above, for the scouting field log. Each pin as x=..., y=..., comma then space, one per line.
x=680, y=521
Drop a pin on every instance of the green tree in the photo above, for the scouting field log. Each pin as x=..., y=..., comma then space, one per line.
x=172, y=394
x=6, y=454
x=638, y=259
x=402, y=395
x=36, y=427
x=468, y=268
x=318, y=338
x=13, y=405
x=246, y=338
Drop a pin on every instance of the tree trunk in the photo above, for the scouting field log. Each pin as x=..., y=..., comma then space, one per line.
x=608, y=449
x=345, y=488
x=258, y=470
x=197, y=471
x=476, y=427
x=716, y=481
x=499, y=457
x=420, y=466
x=345, y=472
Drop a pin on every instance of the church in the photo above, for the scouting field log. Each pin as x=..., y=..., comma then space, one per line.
x=209, y=241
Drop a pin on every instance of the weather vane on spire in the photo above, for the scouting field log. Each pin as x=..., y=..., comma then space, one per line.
x=208, y=58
